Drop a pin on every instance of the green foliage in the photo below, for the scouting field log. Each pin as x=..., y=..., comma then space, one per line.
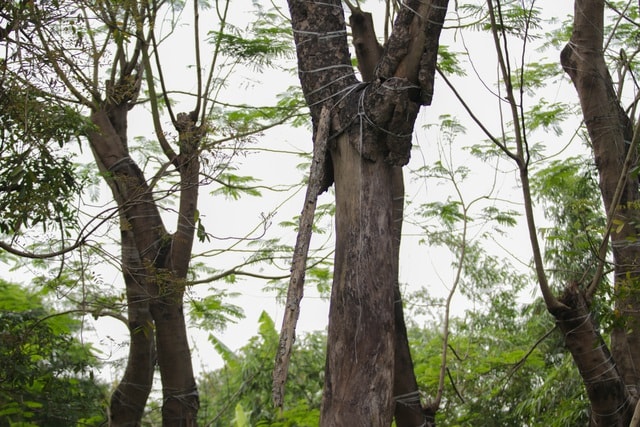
x=241, y=419
x=548, y=116
x=515, y=18
x=241, y=124
x=240, y=392
x=621, y=26
x=323, y=212
x=38, y=182
x=537, y=75
x=569, y=193
x=448, y=61
x=267, y=38
x=504, y=361
x=234, y=186
x=496, y=374
x=212, y=312
x=46, y=375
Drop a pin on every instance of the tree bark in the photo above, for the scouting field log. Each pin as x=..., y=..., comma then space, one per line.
x=360, y=350
x=180, y=394
x=611, y=403
x=372, y=126
x=130, y=397
x=408, y=406
x=164, y=259
x=611, y=133
x=408, y=409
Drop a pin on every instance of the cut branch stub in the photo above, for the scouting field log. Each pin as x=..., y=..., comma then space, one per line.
x=368, y=50
x=412, y=49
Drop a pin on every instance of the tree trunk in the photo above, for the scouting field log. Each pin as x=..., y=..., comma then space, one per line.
x=360, y=350
x=611, y=134
x=371, y=127
x=130, y=397
x=180, y=394
x=164, y=259
x=611, y=403
x=408, y=408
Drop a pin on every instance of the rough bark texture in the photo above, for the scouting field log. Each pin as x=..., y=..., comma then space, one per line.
x=155, y=265
x=372, y=126
x=610, y=132
x=130, y=397
x=299, y=261
x=610, y=401
x=408, y=409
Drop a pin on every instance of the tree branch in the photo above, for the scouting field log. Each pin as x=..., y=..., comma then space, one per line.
x=298, y=264
x=553, y=304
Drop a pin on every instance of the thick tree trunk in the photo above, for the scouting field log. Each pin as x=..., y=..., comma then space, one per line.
x=180, y=394
x=164, y=260
x=130, y=397
x=371, y=127
x=611, y=133
x=360, y=347
x=611, y=404
x=408, y=409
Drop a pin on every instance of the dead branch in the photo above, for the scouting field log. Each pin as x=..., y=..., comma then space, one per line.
x=298, y=264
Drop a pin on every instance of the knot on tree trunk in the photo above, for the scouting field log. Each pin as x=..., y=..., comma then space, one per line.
x=391, y=110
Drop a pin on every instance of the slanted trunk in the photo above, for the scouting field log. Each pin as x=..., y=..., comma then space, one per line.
x=611, y=403
x=611, y=134
x=130, y=397
x=371, y=127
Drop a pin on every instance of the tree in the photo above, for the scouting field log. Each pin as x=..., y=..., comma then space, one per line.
x=614, y=139
x=46, y=373
x=105, y=58
x=371, y=123
x=38, y=181
x=608, y=375
x=497, y=375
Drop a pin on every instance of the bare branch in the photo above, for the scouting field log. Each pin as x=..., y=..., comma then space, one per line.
x=298, y=264
x=553, y=304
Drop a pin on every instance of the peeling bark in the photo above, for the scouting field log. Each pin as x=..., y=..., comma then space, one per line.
x=299, y=261
x=611, y=404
